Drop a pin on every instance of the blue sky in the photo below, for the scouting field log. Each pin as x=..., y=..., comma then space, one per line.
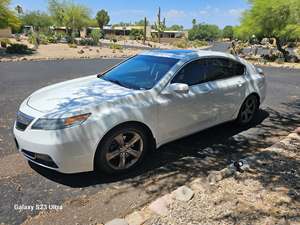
x=220, y=12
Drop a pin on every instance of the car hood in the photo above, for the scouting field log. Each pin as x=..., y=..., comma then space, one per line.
x=76, y=94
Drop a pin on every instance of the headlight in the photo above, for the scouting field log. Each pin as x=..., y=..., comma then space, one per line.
x=60, y=123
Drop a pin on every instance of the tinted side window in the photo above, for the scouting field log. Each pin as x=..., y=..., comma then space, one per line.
x=217, y=69
x=191, y=74
x=220, y=68
x=239, y=68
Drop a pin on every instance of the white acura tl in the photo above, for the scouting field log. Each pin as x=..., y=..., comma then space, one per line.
x=109, y=121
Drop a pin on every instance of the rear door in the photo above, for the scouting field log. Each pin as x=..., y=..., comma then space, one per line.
x=228, y=76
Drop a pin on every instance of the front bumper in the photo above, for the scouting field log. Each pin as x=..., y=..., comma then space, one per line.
x=69, y=150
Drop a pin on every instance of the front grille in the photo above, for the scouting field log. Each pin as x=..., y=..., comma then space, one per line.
x=40, y=158
x=23, y=121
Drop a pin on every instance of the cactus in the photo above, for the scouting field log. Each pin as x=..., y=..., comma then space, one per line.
x=160, y=26
x=145, y=27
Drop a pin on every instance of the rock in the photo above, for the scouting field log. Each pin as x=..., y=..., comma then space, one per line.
x=80, y=51
x=117, y=221
x=297, y=130
x=136, y=218
x=198, y=185
x=183, y=193
x=214, y=177
x=159, y=206
x=97, y=51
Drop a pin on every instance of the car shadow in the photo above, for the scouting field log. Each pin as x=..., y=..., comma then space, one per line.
x=181, y=155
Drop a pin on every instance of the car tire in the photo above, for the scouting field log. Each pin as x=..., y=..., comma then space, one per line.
x=248, y=110
x=116, y=154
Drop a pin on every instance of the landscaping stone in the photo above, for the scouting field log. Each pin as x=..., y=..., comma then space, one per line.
x=136, y=218
x=183, y=194
x=117, y=221
x=159, y=206
x=297, y=130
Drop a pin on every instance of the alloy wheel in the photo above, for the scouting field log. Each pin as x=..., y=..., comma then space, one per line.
x=125, y=150
x=248, y=110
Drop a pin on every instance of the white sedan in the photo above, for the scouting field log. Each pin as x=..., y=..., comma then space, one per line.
x=109, y=121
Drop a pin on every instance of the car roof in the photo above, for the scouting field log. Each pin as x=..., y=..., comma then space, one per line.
x=186, y=53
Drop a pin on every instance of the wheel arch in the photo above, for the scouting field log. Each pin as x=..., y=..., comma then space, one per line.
x=250, y=94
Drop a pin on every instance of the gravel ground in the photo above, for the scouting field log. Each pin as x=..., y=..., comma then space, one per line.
x=267, y=194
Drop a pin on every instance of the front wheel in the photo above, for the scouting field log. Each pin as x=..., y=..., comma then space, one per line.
x=121, y=149
x=248, y=110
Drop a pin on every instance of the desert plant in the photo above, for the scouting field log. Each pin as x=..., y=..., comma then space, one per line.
x=33, y=39
x=136, y=34
x=115, y=46
x=18, y=49
x=87, y=41
x=43, y=39
x=4, y=42
x=96, y=35
x=198, y=43
x=182, y=43
x=72, y=45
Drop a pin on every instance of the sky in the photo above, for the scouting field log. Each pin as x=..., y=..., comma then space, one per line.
x=219, y=12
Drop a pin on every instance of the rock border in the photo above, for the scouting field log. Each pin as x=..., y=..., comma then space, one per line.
x=185, y=193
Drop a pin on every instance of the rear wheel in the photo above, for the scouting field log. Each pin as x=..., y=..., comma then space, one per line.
x=121, y=149
x=248, y=110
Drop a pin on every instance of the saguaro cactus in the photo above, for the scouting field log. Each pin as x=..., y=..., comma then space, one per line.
x=159, y=26
x=145, y=30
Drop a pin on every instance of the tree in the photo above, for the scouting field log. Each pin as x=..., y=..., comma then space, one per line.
x=67, y=13
x=228, y=32
x=141, y=23
x=76, y=16
x=102, y=18
x=194, y=22
x=39, y=20
x=175, y=27
x=204, y=32
x=19, y=9
x=7, y=16
x=277, y=19
x=57, y=11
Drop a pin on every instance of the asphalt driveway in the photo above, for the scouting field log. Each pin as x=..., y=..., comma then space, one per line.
x=172, y=165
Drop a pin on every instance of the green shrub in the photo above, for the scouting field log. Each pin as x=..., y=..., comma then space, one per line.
x=53, y=39
x=72, y=45
x=115, y=46
x=4, y=42
x=87, y=41
x=181, y=43
x=33, y=39
x=136, y=34
x=18, y=49
x=96, y=35
x=198, y=43
x=43, y=39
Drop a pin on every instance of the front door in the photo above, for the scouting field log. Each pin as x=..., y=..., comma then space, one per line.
x=180, y=114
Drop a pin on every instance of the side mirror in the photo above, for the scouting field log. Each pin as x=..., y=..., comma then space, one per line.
x=178, y=88
x=260, y=71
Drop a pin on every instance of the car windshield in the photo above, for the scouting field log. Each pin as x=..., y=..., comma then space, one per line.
x=141, y=72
